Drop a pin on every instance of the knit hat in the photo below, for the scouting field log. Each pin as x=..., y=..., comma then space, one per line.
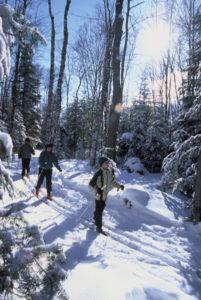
x=48, y=146
x=103, y=159
x=27, y=140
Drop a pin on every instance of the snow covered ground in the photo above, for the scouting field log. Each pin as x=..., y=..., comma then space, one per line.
x=150, y=252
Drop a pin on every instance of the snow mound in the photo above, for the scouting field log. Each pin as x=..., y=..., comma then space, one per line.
x=135, y=195
x=134, y=164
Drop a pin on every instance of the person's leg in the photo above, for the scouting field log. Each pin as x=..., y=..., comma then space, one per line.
x=98, y=213
x=27, y=165
x=23, y=166
x=41, y=176
x=49, y=181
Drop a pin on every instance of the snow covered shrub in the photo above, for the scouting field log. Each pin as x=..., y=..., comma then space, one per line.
x=134, y=164
x=28, y=268
x=5, y=180
x=124, y=143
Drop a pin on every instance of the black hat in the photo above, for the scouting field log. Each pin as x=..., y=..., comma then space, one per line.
x=49, y=145
x=103, y=159
x=27, y=139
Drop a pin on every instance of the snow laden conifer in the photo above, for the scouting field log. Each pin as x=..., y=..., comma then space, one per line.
x=181, y=164
x=19, y=129
x=157, y=139
x=8, y=29
x=150, y=133
x=28, y=268
x=30, y=74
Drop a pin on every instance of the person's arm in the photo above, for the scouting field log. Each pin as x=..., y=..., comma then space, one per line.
x=41, y=160
x=93, y=182
x=56, y=163
x=115, y=183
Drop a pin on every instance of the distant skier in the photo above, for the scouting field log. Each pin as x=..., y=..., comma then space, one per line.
x=102, y=182
x=46, y=161
x=25, y=152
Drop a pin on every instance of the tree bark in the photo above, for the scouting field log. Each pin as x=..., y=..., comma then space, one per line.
x=58, y=99
x=48, y=112
x=105, y=85
x=125, y=43
x=115, y=108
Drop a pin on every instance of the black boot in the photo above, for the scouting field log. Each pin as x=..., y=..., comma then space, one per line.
x=100, y=230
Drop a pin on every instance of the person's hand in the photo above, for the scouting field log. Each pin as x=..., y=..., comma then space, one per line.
x=60, y=169
x=99, y=190
x=121, y=187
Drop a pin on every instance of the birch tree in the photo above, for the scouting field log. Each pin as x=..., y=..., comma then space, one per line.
x=58, y=97
x=106, y=76
x=48, y=110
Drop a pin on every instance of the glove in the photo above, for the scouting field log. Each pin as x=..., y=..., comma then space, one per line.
x=121, y=187
x=60, y=170
x=99, y=190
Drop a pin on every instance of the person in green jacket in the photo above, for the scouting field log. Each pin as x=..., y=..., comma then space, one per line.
x=46, y=161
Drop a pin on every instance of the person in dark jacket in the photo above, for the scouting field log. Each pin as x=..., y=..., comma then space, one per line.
x=102, y=182
x=25, y=152
x=46, y=161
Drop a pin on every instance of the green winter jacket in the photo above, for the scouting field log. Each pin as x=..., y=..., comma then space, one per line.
x=47, y=160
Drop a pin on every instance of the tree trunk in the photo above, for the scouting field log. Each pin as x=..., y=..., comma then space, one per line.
x=116, y=105
x=101, y=105
x=125, y=43
x=48, y=113
x=58, y=100
x=15, y=89
x=197, y=196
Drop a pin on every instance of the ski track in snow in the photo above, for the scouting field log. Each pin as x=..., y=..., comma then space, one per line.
x=150, y=253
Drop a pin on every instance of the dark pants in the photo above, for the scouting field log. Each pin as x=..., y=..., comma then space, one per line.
x=25, y=166
x=98, y=213
x=41, y=175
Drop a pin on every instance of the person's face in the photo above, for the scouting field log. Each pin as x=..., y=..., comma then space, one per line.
x=105, y=165
x=49, y=149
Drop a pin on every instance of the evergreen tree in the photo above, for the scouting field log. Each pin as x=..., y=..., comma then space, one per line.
x=180, y=165
x=29, y=74
x=157, y=139
x=74, y=131
x=19, y=130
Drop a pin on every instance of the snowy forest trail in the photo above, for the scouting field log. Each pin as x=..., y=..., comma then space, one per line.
x=150, y=253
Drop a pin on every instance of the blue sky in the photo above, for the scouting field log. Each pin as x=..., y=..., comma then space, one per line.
x=150, y=42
